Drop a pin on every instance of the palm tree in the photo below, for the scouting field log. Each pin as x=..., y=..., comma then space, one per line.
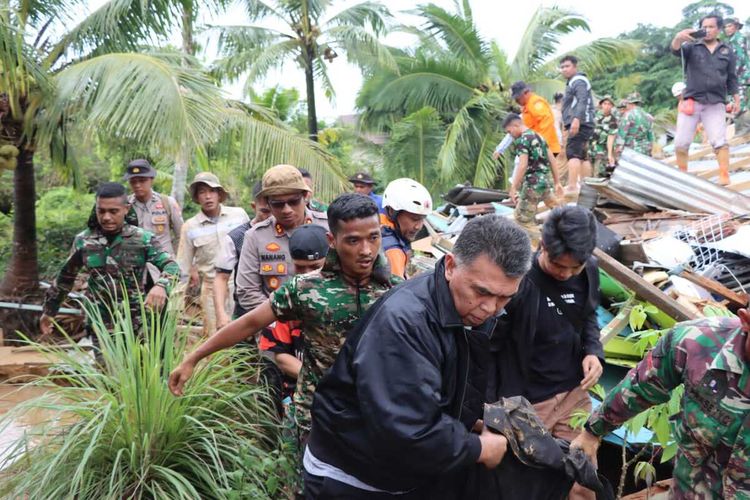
x=89, y=78
x=312, y=35
x=465, y=79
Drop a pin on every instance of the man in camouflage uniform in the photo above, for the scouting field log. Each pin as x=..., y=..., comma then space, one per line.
x=264, y=261
x=327, y=302
x=114, y=254
x=535, y=178
x=738, y=42
x=602, y=143
x=711, y=357
x=636, y=129
x=312, y=203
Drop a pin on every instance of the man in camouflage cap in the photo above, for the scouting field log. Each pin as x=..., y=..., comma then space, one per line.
x=265, y=263
x=711, y=357
x=536, y=177
x=327, y=302
x=114, y=254
x=636, y=128
x=602, y=144
x=738, y=42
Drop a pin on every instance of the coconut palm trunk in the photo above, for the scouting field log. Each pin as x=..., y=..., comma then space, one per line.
x=22, y=273
x=312, y=116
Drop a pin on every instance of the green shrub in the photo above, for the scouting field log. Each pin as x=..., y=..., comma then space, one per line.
x=122, y=434
x=61, y=214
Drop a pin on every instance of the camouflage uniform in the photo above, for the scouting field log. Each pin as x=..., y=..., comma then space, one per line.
x=738, y=42
x=328, y=306
x=635, y=132
x=604, y=127
x=112, y=264
x=712, y=430
x=317, y=206
x=537, y=181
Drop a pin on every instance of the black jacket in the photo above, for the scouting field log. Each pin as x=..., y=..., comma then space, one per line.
x=578, y=102
x=397, y=406
x=512, y=342
x=710, y=76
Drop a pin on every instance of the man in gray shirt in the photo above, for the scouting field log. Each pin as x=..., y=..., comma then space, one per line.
x=578, y=113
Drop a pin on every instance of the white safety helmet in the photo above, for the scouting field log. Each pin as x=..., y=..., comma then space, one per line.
x=408, y=195
x=678, y=88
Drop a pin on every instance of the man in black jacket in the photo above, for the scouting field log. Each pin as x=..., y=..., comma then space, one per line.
x=578, y=113
x=546, y=347
x=399, y=412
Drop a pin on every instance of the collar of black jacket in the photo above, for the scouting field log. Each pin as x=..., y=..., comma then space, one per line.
x=447, y=312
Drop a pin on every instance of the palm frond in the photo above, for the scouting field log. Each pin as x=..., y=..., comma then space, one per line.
x=320, y=70
x=372, y=15
x=362, y=47
x=240, y=48
x=603, y=54
x=272, y=56
x=21, y=71
x=118, y=26
x=438, y=84
x=150, y=98
x=547, y=87
x=460, y=35
x=412, y=149
x=542, y=37
x=259, y=9
x=254, y=145
x=500, y=69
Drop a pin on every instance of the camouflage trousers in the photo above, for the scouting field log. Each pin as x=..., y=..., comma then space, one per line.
x=743, y=91
x=528, y=201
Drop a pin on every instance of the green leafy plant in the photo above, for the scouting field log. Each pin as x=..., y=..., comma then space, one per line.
x=639, y=313
x=122, y=434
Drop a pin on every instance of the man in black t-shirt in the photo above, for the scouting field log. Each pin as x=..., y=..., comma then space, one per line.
x=546, y=347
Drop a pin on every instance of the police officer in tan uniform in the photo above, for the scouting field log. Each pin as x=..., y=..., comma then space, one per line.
x=265, y=262
x=156, y=212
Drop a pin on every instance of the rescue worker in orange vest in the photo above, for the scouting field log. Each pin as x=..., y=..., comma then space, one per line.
x=406, y=204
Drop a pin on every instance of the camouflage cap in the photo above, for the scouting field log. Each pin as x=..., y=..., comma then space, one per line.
x=635, y=98
x=362, y=177
x=139, y=168
x=623, y=103
x=733, y=20
x=209, y=180
x=283, y=179
x=607, y=98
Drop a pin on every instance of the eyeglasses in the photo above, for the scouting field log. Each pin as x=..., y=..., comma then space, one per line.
x=279, y=204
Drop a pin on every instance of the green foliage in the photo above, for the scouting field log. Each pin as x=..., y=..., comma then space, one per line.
x=61, y=214
x=639, y=314
x=644, y=471
x=284, y=102
x=122, y=434
x=412, y=150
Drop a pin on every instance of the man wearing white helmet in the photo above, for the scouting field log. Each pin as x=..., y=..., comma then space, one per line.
x=406, y=204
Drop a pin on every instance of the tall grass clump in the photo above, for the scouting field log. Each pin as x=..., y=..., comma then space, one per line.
x=119, y=432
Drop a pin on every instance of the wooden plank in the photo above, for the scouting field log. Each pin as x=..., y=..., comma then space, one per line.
x=738, y=299
x=619, y=322
x=642, y=288
x=733, y=167
x=735, y=141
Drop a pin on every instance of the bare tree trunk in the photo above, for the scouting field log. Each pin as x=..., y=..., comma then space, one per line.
x=312, y=116
x=22, y=274
x=181, y=163
x=179, y=176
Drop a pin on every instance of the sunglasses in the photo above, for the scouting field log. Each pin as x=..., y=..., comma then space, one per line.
x=280, y=204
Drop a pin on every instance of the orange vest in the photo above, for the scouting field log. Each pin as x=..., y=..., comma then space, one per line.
x=538, y=116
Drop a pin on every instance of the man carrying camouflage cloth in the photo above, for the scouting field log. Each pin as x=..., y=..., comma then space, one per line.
x=115, y=254
x=711, y=357
x=327, y=302
x=536, y=173
x=636, y=130
x=738, y=42
x=602, y=143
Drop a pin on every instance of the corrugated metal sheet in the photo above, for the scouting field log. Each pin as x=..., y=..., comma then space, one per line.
x=662, y=186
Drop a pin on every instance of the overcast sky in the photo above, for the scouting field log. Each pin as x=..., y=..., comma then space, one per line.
x=501, y=21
